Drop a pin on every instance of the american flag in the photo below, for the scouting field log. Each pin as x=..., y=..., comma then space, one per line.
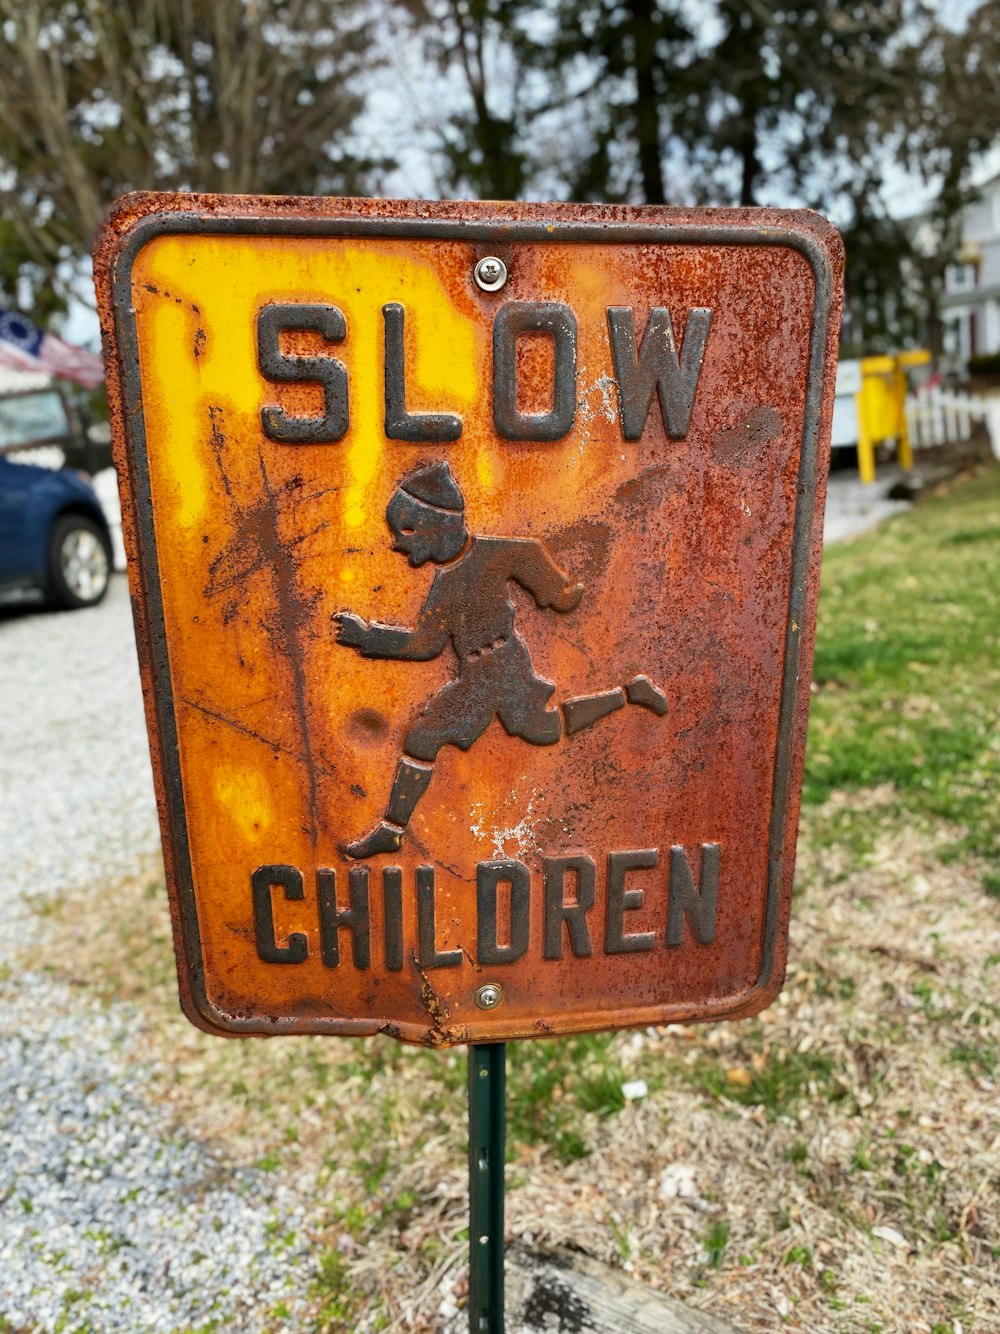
x=24, y=347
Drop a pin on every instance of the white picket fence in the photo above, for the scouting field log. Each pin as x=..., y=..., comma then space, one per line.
x=939, y=416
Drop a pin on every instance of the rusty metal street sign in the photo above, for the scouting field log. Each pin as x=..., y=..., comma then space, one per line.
x=474, y=555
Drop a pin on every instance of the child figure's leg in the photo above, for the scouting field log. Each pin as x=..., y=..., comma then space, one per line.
x=523, y=698
x=583, y=710
x=460, y=713
x=640, y=690
x=408, y=787
x=457, y=715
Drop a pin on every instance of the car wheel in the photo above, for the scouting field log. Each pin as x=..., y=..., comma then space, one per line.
x=79, y=561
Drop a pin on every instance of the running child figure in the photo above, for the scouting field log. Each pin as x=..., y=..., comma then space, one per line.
x=469, y=606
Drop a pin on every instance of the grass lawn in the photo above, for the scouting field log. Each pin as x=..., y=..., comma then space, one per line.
x=907, y=673
x=830, y=1166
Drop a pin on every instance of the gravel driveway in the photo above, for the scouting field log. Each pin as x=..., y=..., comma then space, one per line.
x=111, y=1218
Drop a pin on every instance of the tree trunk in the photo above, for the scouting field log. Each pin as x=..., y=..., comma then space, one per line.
x=935, y=325
x=749, y=160
x=646, y=107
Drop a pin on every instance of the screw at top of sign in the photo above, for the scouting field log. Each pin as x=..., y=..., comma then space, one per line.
x=488, y=997
x=490, y=273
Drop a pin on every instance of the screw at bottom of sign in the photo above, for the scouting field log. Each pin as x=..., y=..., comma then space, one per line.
x=488, y=997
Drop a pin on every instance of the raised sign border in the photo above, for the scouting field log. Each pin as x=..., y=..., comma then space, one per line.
x=139, y=218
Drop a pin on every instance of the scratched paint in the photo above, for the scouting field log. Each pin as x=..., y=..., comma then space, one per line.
x=276, y=744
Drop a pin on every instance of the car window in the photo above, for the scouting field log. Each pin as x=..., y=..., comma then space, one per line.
x=33, y=418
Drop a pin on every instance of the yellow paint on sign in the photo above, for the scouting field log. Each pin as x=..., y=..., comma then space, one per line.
x=442, y=353
x=245, y=797
x=441, y=366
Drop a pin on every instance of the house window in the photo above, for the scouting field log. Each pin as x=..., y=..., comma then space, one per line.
x=959, y=335
x=991, y=330
x=961, y=277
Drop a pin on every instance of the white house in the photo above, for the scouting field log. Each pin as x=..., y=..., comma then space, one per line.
x=970, y=306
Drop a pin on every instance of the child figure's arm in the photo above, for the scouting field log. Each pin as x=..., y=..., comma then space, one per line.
x=425, y=641
x=535, y=570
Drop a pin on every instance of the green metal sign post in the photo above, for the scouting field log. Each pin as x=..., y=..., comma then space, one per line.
x=487, y=1124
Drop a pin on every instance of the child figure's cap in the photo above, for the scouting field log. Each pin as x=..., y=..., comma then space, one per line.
x=434, y=485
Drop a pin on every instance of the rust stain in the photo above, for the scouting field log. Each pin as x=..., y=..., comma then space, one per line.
x=437, y=1010
x=293, y=616
x=258, y=546
x=743, y=444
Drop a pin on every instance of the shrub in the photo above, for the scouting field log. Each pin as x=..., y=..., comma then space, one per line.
x=987, y=363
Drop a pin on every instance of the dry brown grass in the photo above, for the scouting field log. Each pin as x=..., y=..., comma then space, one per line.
x=892, y=978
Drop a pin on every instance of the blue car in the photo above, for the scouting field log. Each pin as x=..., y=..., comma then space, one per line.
x=53, y=534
